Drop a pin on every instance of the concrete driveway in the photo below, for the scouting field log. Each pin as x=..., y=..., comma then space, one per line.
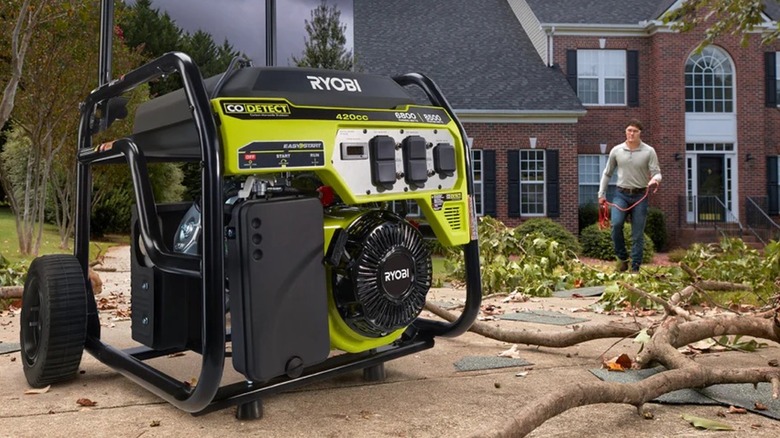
x=424, y=395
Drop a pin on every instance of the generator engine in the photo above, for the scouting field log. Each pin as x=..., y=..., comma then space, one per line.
x=317, y=258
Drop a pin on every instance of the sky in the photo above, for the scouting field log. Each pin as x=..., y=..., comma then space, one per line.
x=242, y=22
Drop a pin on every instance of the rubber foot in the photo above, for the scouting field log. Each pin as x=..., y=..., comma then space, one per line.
x=250, y=411
x=375, y=373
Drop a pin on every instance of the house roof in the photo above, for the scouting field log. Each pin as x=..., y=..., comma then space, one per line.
x=598, y=11
x=476, y=52
x=772, y=9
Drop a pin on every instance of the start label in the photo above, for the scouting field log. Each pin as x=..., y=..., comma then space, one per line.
x=281, y=154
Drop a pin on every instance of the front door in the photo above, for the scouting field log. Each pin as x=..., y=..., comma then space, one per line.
x=711, y=185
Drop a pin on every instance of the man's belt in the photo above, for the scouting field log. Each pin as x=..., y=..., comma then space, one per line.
x=631, y=191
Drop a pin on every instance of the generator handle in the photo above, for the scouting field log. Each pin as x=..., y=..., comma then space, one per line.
x=471, y=249
x=213, y=333
x=151, y=237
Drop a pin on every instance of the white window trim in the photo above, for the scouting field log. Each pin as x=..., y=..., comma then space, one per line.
x=713, y=100
x=603, y=159
x=534, y=183
x=777, y=78
x=601, y=77
x=479, y=185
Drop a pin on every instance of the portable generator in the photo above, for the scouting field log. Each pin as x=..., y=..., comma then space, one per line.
x=293, y=262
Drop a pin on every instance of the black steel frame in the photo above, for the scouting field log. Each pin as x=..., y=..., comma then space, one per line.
x=207, y=395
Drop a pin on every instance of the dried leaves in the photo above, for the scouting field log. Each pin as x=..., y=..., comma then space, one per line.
x=86, y=402
x=34, y=391
x=619, y=363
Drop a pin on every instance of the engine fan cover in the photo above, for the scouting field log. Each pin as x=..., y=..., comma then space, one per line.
x=379, y=288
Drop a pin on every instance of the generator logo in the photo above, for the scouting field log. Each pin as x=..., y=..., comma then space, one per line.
x=256, y=108
x=398, y=274
x=327, y=83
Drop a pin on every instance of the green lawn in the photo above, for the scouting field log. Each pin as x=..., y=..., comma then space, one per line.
x=50, y=243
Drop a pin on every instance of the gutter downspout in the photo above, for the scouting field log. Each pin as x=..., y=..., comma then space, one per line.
x=550, y=46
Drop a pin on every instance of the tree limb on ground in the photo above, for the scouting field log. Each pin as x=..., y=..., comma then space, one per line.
x=11, y=291
x=678, y=328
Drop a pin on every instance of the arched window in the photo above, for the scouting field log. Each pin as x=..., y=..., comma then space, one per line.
x=709, y=82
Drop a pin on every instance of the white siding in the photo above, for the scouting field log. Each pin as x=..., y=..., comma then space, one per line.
x=531, y=26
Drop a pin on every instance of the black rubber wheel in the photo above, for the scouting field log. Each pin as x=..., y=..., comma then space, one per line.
x=53, y=320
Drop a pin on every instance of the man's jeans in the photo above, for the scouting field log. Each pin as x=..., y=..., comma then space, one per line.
x=638, y=219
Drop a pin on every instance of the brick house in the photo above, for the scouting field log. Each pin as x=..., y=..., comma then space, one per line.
x=545, y=87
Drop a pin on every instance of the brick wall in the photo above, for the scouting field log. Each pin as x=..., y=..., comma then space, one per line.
x=662, y=59
x=503, y=137
x=661, y=109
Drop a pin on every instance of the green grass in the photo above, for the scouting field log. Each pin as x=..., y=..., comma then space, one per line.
x=50, y=242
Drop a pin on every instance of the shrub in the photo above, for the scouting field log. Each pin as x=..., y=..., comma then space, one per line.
x=677, y=255
x=531, y=263
x=587, y=214
x=551, y=230
x=597, y=243
x=111, y=212
x=656, y=227
x=12, y=274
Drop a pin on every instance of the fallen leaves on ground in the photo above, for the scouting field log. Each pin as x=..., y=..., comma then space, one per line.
x=620, y=363
x=491, y=310
x=516, y=297
x=43, y=390
x=106, y=304
x=706, y=423
x=736, y=410
x=85, y=402
x=512, y=352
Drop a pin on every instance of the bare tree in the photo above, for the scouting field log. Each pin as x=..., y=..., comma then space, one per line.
x=29, y=14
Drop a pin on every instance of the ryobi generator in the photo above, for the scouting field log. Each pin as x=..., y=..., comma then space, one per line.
x=293, y=262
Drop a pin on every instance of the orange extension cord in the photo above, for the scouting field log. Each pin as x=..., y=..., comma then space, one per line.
x=604, y=215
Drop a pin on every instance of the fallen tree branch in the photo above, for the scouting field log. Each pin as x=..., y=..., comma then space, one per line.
x=532, y=415
x=544, y=339
x=677, y=329
x=669, y=309
x=11, y=291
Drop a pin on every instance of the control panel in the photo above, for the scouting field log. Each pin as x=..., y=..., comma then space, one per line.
x=383, y=161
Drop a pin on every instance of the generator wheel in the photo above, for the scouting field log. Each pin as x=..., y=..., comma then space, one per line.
x=53, y=319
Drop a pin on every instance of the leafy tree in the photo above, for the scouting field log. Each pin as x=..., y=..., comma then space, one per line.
x=722, y=17
x=44, y=112
x=324, y=45
x=154, y=33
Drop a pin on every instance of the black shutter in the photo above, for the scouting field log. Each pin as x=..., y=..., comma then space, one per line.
x=489, y=183
x=632, y=70
x=571, y=68
x=552, y=182
x=771, y=185
x=770, y=76
x=513, y=175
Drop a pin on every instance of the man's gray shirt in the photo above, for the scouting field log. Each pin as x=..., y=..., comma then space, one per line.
x=635, y=167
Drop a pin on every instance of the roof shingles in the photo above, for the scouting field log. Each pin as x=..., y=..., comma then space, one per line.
x=596, y=11
x=476, y=52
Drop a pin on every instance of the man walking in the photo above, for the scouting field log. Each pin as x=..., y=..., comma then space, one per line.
x=637, y=169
